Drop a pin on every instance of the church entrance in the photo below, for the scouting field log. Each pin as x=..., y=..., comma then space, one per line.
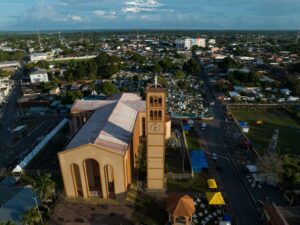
x=92, y=171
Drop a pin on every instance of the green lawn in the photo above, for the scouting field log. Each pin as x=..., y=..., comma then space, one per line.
x=260, y=135
x=192, y=140
x=198, y=184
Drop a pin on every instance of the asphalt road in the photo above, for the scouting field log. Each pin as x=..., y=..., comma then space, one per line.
x=9, y=114
x=9, y=155
x=240, y=202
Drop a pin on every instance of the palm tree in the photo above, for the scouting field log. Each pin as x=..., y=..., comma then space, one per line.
x=7, y=223
x=291, y=171
x=31, y=217
x=45, y=187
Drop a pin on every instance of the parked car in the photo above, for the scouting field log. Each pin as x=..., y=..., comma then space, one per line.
x=203, y=126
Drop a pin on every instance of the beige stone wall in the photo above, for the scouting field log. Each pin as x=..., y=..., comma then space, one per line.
x=103, y=157
x=168, y=129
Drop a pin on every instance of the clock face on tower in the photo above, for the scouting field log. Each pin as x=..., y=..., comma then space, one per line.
x=155, y=127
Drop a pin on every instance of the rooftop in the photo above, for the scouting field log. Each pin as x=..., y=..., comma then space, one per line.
x=111, y=124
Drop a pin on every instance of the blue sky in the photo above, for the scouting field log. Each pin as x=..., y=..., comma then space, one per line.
x=149, y=14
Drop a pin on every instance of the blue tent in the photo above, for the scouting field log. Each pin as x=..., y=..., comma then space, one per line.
x=186, y=127
x=243, y=124
x=198, y=160
x=227, y=217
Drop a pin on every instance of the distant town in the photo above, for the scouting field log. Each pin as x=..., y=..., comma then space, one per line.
x=150, y=127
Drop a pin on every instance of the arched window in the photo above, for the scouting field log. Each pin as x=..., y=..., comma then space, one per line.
x=151, y=100
x=110, y=181
x=76, y=180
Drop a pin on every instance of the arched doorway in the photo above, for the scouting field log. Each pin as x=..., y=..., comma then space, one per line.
x=93, y=179
x=110, y=181
x=76, y=180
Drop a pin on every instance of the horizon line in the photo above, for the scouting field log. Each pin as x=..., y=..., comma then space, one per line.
x=148, y=29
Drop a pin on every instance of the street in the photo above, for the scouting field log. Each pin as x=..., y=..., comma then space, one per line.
x=10, y=155
x=240, y=201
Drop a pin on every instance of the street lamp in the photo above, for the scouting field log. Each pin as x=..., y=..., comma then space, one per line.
x=37, y=205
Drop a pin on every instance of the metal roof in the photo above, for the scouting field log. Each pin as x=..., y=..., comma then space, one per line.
x=111, y=125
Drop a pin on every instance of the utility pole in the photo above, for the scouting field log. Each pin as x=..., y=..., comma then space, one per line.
x=39, y=39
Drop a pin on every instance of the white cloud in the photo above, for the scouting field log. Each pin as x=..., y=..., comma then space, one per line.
x=75, y=18
x=136, y=6
x=104, y=14
x=99, y=13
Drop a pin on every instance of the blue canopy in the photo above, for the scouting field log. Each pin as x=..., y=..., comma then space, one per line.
x=186, y=127
x=198, y=160
x=243, y=124
x=227, y=217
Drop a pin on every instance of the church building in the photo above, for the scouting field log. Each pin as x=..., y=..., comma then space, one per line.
x=100, y=158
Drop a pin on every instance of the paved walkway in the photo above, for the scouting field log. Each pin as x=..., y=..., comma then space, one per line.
x=68, y=213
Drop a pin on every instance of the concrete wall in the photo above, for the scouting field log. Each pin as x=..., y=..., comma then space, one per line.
x=122, y=175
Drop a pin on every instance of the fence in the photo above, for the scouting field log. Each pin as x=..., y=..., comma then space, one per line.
x=38, y=147
x=178, y=176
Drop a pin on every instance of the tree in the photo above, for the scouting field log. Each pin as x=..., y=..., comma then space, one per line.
x=11, y=56
x=107, y=65
x=295, y=68
x=241, y=78
x=179, y=75
x=138, y=58
x=31, y=217
x=227, y=63
x=162, y=81
x=7, y=223
x=109, y=88
x=71, y=96
x=156, y=68
x=5, y=73
x=42, y=64
x=191, y=67
x=183, y=84
x=291, y=174
x=47, y=86
x=294, y=84
x=45, y=187
x=166, y=64
x=222, y=86
x=272, y=166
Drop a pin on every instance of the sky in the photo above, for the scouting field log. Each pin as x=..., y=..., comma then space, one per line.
x=23, y=15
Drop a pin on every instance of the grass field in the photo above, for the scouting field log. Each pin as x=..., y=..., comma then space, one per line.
x=260, y=135
x=198, y=184
x=192, y=140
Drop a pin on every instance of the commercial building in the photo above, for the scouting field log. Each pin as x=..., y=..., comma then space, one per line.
x=188, y=43
x=38, y=76
x=38, y=57
x=100, y=158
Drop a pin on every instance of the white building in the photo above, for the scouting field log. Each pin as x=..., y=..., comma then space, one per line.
x=7, y=64
x=38, y=57
x=38, y=76
x=187, y=43
x=212, y=41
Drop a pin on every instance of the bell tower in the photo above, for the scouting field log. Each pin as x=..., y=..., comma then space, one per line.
x=156, y=132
